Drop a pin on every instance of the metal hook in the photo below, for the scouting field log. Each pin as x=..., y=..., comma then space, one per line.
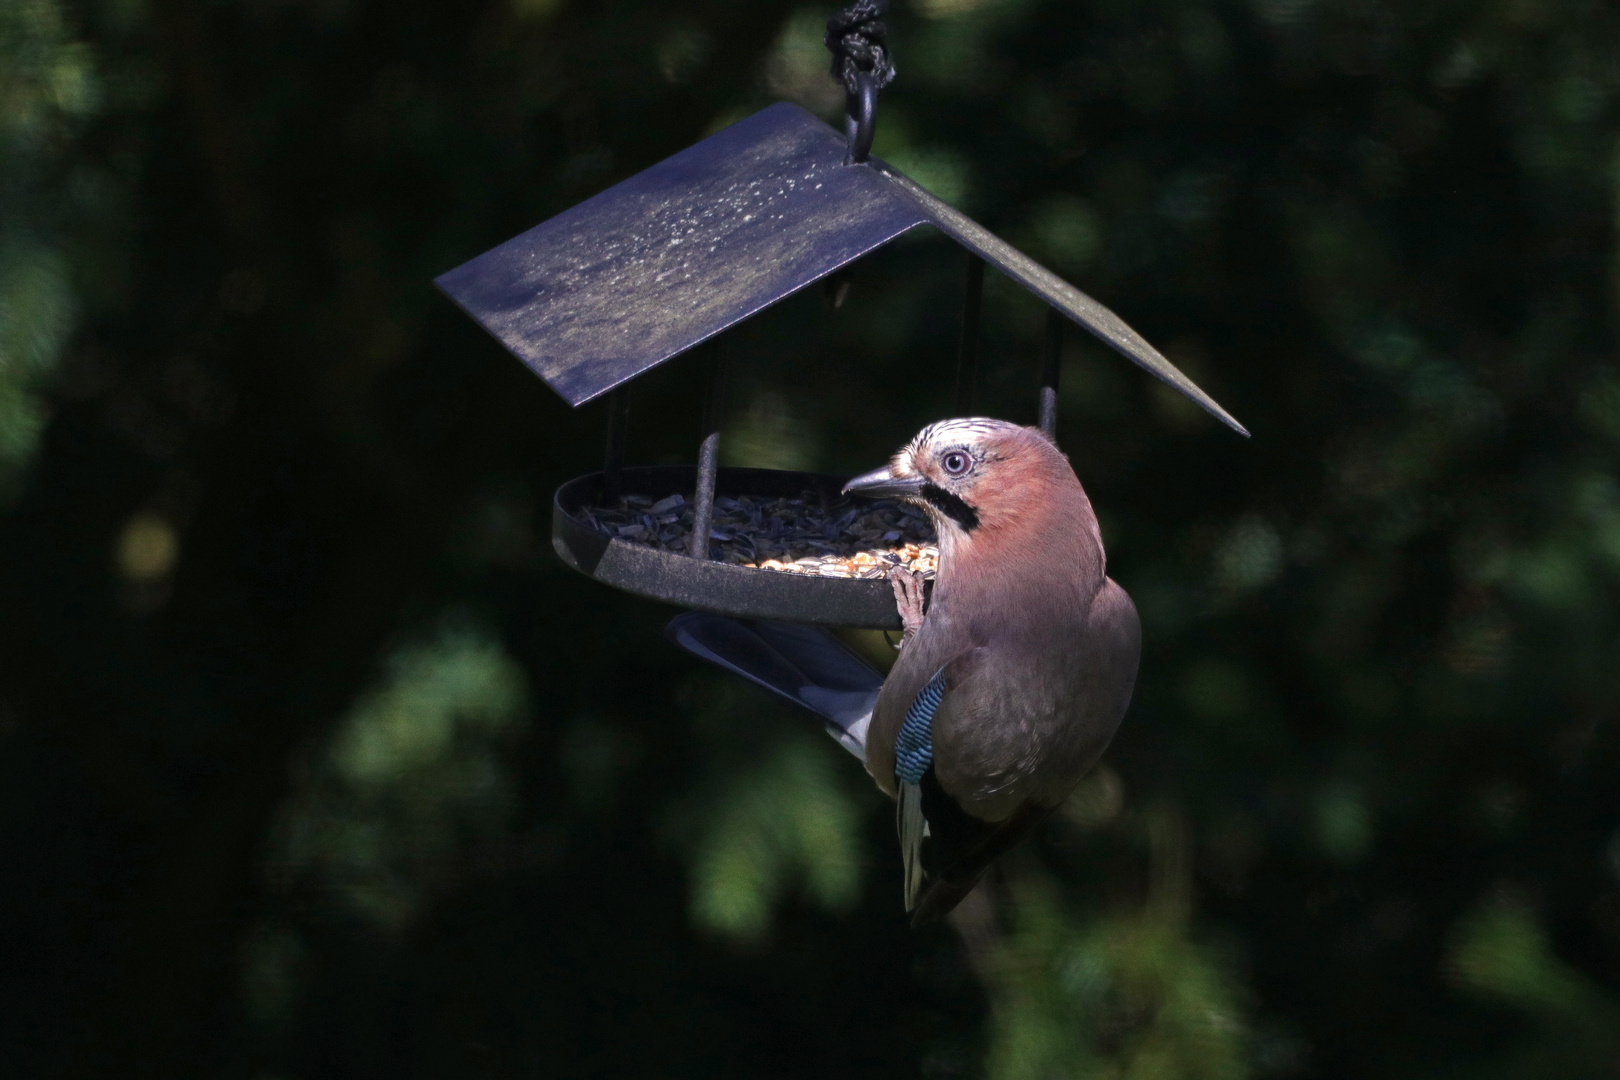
x=860, y=118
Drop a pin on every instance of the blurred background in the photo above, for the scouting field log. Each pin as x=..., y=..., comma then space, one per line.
x=315, y=761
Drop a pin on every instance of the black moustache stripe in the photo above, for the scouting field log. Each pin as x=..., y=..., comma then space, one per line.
x=952, y=507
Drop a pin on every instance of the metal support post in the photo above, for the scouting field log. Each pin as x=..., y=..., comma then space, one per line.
x=618, y=416
x=708, y=465
x=967, y=349
x=1051, y=366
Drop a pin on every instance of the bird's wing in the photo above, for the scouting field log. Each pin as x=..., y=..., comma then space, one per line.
x=914, y=759
x=937, y=645
x=805, y=664
x=944, y=848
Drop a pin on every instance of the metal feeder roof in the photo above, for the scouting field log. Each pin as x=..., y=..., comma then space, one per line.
x=665, y=260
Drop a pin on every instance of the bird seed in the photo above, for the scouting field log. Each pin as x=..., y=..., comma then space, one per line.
x=841, y=538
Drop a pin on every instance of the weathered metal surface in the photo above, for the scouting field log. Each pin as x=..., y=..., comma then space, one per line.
x=705, y=239
x=1095, y=317
x=713, y=586
x=672, y=256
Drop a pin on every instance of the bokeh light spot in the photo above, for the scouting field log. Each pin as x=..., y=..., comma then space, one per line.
x=1344, y=825
x=148, y=547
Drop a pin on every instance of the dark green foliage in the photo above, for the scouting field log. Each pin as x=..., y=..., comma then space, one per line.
x=315, y=762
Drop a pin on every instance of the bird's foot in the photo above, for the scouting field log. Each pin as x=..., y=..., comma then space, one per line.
x=908, y=597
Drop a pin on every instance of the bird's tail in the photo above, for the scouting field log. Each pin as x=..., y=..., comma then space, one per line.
x=805, y=664
x=946, y=885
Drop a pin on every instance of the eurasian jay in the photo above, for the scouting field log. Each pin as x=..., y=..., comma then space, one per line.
x=1008, y=688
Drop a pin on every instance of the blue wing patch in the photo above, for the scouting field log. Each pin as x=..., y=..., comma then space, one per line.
x=914, y=746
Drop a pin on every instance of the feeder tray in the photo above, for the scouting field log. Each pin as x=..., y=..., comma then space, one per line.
x=714, y=586
x=670, y=258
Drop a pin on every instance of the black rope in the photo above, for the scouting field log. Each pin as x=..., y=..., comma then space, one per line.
x=855, y=37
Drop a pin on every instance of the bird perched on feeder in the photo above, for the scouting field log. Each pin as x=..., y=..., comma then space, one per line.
x=1006, y=690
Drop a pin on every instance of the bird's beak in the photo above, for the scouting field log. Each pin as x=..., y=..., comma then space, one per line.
x=882, y=483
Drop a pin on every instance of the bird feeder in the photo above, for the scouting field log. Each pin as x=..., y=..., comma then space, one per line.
x=665, y=261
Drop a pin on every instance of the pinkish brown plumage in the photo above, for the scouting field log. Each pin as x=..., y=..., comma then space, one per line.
x=1037, y=646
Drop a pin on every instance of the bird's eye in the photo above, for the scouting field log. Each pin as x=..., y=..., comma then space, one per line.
x=955, y=462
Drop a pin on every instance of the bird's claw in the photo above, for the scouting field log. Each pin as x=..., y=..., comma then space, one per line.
x=908, y=597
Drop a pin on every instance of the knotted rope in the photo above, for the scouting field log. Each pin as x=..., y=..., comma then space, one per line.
x=855, y=36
